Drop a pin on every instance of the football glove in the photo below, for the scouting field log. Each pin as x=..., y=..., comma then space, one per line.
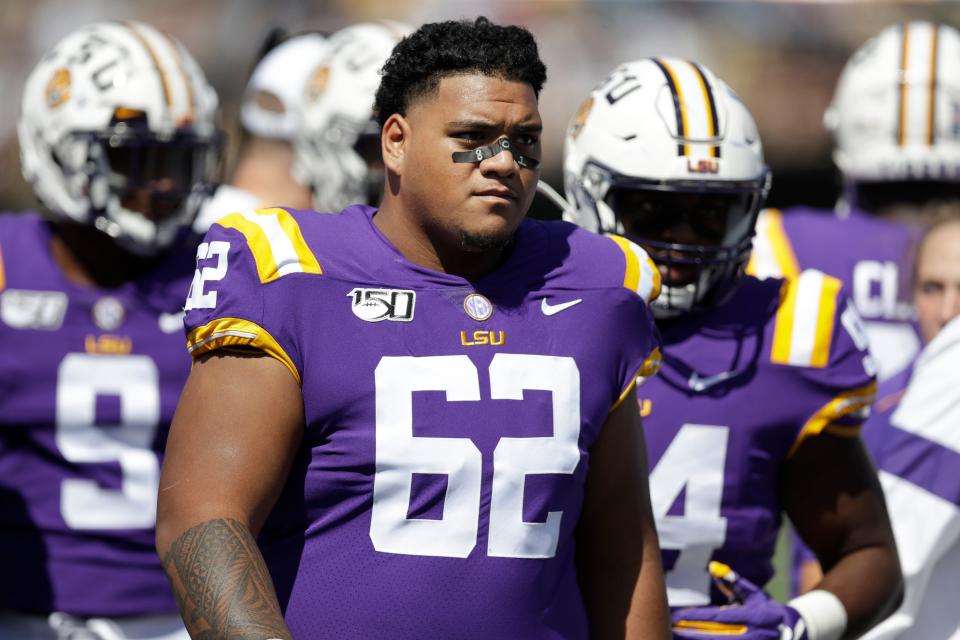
x=750, y=613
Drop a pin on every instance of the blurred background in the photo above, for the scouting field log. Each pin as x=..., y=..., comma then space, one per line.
x=783, y=58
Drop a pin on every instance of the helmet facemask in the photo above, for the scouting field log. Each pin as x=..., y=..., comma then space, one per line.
x=142, y=188
x=698, y=233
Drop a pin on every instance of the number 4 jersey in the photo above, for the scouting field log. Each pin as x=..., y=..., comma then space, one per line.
x=448, y=422
x=740, y=387
x=89, y=380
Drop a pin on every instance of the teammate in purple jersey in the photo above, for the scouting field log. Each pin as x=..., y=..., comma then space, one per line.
x=897, y=146
x=764, y=384
x=117, y=139
x=405, y=405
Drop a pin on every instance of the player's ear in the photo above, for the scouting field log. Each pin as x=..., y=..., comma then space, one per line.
x=393, y=143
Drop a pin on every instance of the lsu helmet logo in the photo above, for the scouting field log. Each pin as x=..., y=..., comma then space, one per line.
x=58, y=88
x=376, y=305
x=317, y=83
x=576, y=125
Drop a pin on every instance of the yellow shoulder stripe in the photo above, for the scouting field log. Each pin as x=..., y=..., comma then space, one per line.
x=772, y=254
x=804, y=325
x=276, y=242
x=641, y=275
x=843, y=404
x=3, y=277
x=226, y=332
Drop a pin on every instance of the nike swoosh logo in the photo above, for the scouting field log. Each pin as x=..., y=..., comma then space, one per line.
x=553, y=309
x=698, y=383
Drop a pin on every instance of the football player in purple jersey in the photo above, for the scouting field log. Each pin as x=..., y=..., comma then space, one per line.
x=764, y=384
x=118, y=140
x=894, y=121
x=396, y=424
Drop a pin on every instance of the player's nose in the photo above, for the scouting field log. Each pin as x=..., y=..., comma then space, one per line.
x=503, y=164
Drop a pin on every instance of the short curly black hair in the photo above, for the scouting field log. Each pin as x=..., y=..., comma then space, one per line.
x=441, y=49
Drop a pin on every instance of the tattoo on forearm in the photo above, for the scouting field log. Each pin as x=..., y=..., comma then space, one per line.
x=222, y=585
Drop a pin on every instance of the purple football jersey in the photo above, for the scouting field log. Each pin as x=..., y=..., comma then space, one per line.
x=448, y=422
x=872, y=257
x=90, y=379
x=740, y=387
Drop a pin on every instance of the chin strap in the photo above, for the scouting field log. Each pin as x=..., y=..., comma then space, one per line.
x=482, y=153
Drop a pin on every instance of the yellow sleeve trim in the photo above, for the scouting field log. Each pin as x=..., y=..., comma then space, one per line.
x=641, y=274
x=275, y=239
x=3, y=277
x=650, y=367
x=226, y=332
x=843, y=404
x=803, y=333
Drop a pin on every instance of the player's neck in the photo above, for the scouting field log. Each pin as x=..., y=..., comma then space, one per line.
x=90, y=258
x=265, y=170
x=419, y=247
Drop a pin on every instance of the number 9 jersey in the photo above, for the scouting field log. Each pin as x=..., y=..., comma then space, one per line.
x=89, y=380
x=448, y=422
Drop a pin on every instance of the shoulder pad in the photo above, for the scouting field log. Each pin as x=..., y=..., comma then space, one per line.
x=640, y=274
x=275, y=240
x=805, y=320
x=773, y=255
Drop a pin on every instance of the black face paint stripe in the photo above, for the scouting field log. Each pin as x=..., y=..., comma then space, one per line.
x=677, y=107
x=712, y=106
x=488, y=151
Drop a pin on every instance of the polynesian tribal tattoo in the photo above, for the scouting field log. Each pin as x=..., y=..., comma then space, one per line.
x=222, y=585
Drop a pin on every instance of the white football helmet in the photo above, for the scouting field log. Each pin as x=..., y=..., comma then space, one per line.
x=895, y=114
x=339, y=141
x=665, y=153
x=117, y=130
x=273, y=98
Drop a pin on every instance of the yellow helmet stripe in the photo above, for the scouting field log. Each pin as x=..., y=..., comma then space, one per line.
x=932, y=91
x=187, y=84
x=712, y=124
x=678, y=103
x=164, y=83
x=904, y=61
x=228, y=332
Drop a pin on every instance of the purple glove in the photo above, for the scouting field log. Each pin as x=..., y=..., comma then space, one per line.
x=750, y=615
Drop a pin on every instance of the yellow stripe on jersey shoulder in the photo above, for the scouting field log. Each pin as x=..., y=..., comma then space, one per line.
x=772, y=255
x=275, y=239
x=803, y=332
x=844, y=404
x=3, y=274
x=711, y=628
x=641, y=275
x=229, y=332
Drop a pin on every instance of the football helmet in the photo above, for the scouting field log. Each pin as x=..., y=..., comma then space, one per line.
x=337, y=149
x=117, y=130
x=665, y=153
x=895, y=118
x=272, y=100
